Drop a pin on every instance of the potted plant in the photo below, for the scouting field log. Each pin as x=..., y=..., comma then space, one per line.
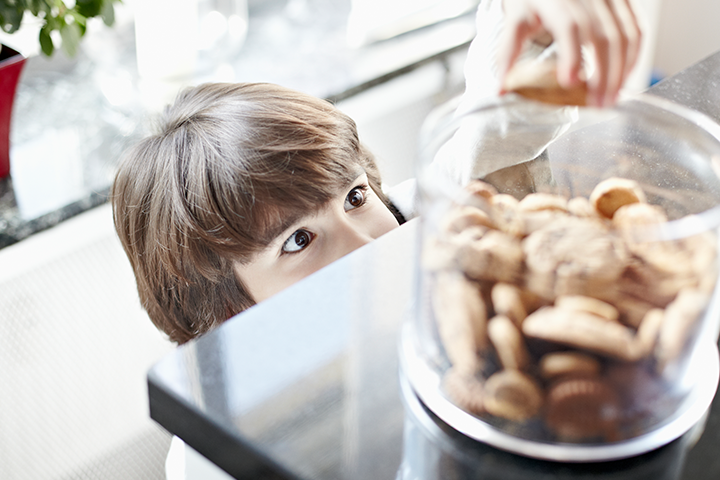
x=59, y=23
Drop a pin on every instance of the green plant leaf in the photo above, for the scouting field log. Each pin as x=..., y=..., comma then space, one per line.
x=35, y=7
x=55, y=15
x=108, y=13
x=70, y=34
x=46, y=43
x=89, y=8
x=78, y=17
x=11, y=19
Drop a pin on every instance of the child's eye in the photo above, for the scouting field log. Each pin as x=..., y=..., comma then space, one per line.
x=300, y=239
x=356, y=198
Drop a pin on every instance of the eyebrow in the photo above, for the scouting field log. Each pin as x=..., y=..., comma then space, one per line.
x=286, y=222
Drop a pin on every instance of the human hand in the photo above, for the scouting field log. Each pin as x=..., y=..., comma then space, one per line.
x=609, y=27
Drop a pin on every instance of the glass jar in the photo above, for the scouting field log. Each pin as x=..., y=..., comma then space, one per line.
x=567, y=295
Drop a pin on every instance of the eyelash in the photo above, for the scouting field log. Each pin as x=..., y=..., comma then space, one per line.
x=362, y=188
x=310, y=235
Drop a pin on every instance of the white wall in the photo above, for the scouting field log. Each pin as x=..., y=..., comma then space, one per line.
x=688, y=31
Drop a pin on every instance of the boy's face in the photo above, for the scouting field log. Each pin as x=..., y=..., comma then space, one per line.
x=350, y=220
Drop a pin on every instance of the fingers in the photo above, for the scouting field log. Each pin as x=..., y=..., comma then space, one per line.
x=570, y=31
x=615, y=38
x=609, y=27
x=606, y=40
x=518, y=28
x=631, y=28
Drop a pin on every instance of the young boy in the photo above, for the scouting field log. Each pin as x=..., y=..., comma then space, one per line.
x=248, y=188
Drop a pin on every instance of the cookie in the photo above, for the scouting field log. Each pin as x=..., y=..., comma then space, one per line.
x=564, y=364
x=537, y=80
x=507, y=300
x=582, y=330
x=532, y=301
x=461, y=317
x=463, y=217
x=637, y=214
x=581, y=207
x=495, y=256
x=578, y=409
x=480, y=189
x=508, y=342
x=632, y=310
x=573, y=256
x=680, y=316
x=534, y=220
x=465, y=390
x=648, y=331
x=582, y=303
x=512, y=395
x=672, y=265
x=530, y=213
x=611, y=194
x=647, y=282
x=504, y=212
x=535, y=202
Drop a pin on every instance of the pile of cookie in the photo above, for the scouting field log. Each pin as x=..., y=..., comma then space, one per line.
x=553, y=311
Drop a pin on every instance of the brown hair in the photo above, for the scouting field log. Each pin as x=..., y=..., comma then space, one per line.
x=231, y=167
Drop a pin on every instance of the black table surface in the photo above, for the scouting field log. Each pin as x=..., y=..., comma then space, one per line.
x=306, y=385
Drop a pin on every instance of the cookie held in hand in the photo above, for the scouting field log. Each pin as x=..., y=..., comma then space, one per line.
x=537, y=80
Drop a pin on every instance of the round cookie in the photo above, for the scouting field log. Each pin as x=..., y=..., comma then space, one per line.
x=611, y=194
x=581, y=409
x=563, y=364
x=465, y=390
x=512, y=395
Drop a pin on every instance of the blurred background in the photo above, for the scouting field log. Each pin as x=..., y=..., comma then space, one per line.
x=74, y=343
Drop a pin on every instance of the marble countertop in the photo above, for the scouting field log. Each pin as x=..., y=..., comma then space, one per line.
x=73, y=118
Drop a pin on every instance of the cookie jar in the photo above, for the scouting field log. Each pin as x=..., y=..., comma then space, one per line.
x=567, y=306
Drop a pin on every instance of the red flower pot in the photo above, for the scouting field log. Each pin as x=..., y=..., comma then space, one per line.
x=11, y=64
